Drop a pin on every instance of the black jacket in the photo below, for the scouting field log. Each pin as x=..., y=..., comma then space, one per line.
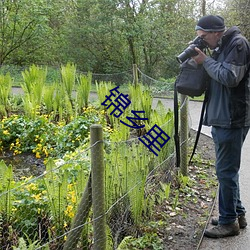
x=229, y=90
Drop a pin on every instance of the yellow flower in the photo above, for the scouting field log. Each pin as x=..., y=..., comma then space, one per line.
x=73, y=199
x=37, y=196
x=45, y=151
x=31, y=187
x=6, y=132
x=38, y=156
x=69, y=211
x=14, y=209
x=17, y=152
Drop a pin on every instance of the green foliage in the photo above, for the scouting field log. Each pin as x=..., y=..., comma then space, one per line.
x=23, y=28
x=141, y=99
x=164, y=192
x=29, y=245
x=48, y=98
x=55, y=196
x=103, y=36
x=184, y=181
x=30, y=206
x=68, y=74
x=147, y=241
x=43, y=137
x=83, y=91
x=15, y=71
x=165, y=120
x=6, y=184
x=5, y=90
x=34, y=81
x=103, y=90
x=57, y=188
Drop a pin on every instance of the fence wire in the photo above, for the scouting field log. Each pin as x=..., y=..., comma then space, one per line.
x=39, y=213
x=31, y=206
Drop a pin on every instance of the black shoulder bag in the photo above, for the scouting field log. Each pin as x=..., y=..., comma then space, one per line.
x=191, y=81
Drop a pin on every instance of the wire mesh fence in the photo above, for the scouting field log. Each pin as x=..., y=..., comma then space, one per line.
x=56, y=209
x=160, y=87
x=46, y=210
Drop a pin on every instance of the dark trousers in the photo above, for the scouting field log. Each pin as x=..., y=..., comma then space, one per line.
x=228, y=145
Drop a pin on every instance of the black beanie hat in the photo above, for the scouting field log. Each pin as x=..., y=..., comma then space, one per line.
x=211, y=23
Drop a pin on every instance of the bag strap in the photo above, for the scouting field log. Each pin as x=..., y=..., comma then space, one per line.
x=199, y=127
x=176, y=126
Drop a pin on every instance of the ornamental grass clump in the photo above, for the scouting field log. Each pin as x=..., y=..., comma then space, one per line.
x=33, y=85
x=83, y=91
x=5, y=91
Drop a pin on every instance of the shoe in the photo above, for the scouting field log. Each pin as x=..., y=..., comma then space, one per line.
x=241, y=219
x=221, y=231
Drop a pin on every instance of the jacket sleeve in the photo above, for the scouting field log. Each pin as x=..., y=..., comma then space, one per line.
x=234, y=66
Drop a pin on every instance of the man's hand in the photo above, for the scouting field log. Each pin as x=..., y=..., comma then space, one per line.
x=200, y=58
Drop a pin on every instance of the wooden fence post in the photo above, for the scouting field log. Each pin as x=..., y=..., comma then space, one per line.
x=135, y=74
x=98, y=195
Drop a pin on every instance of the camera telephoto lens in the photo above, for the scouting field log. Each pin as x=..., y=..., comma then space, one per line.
x=187, y=53
x=190, y=50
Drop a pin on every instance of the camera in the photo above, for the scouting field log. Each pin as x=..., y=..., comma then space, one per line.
x=190, y=51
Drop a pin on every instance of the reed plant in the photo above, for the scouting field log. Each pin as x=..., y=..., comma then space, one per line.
x=5, y=90
x=103, y=90
x=126, y=172
x=62, y=106
x=128, y=162
x=136, y=182
x=83, y=91
x=141, y=99
x=165, y=120
x=6, y=184
x=68, y=75
x=34, y=80
x=56, y=184
x=48, y=97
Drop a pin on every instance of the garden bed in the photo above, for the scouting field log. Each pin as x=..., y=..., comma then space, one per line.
x=178, y=221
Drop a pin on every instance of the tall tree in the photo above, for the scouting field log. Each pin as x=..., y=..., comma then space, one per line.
x=114, y=34
x=94, y=39
x=21, y=21
x=237, y=12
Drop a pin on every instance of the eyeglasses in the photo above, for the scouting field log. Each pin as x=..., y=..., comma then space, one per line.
x=203, y=36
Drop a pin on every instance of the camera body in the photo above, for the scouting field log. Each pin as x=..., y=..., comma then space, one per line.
x=190, y=51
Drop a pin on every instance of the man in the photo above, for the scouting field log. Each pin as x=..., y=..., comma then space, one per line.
x=228, y=112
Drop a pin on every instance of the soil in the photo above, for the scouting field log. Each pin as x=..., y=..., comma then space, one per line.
x=188, y=221
x=25, y=164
